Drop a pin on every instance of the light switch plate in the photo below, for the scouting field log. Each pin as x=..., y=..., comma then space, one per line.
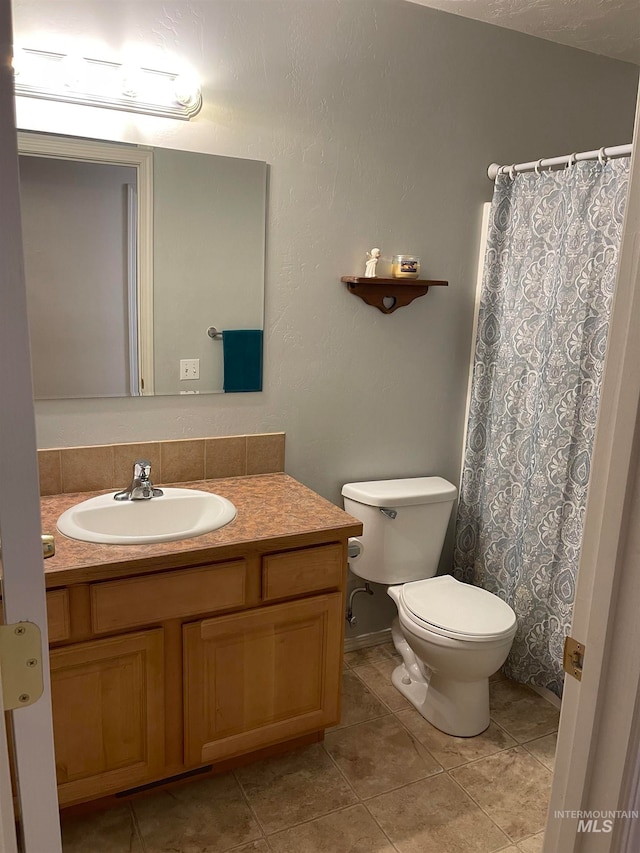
x=189, y=368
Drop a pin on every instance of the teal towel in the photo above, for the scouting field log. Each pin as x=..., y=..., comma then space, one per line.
x=242, y=354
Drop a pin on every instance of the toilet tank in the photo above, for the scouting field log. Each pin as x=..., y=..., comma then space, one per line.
x=406, y=547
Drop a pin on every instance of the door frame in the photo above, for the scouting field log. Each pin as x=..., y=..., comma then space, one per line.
x=23, y=585
x=598, y=726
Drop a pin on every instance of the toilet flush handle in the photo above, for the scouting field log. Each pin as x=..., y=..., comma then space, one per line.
x=390, y=513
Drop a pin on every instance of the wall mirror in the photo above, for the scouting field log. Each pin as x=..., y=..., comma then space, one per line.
x=133, y=257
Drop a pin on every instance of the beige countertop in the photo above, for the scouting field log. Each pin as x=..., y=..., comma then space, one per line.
x=274, y=512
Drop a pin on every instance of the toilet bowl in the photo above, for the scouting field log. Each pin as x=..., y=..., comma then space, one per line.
x=451, y=636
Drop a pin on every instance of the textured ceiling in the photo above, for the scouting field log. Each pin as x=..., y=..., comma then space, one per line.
x=608, y=27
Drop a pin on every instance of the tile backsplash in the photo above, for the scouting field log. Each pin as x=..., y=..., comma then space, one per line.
x=110, y=466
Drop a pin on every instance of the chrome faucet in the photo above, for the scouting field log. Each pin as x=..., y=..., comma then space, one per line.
x=141, y=488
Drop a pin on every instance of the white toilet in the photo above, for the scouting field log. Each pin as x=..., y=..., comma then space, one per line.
x=452, y=636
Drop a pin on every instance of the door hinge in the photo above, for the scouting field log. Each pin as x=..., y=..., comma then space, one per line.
x=20, y=664
x=573, y=658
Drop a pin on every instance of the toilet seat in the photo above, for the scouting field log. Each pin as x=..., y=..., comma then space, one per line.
x=445, y=606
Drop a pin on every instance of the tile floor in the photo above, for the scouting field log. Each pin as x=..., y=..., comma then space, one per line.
x=384, y=780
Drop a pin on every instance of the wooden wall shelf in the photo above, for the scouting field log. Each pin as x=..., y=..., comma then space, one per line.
x=388, y=294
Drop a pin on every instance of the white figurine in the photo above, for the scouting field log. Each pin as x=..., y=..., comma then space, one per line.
x=370, y=267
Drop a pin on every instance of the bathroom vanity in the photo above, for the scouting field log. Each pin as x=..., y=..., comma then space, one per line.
x=180, y=655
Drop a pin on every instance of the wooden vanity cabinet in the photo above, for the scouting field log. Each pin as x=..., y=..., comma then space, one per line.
x=171, y=670
x=108, y=713
x=261, y=677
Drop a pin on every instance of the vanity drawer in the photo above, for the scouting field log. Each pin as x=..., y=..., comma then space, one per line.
x=300, y=572
x=58, y=619
x=171, y=595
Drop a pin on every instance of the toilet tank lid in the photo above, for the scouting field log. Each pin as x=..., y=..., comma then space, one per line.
x=407, y=492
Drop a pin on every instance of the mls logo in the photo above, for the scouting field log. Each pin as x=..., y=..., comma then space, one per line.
x=594, y=825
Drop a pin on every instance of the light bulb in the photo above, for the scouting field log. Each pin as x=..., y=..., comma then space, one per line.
x=18, y=61
x=131, y=81
x=186, y=90
x=72, y=73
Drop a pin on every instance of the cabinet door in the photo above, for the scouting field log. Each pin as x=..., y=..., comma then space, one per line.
x=108, y=714
x=261, y=677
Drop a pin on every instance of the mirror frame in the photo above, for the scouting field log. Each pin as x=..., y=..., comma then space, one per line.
x=141, y=159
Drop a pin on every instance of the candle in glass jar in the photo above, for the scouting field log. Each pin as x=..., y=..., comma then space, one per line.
x=405, y=266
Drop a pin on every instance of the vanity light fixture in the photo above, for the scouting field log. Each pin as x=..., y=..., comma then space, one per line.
x=96, y=83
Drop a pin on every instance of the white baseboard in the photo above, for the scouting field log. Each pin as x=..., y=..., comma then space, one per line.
x=366, y=640
x=548, y=695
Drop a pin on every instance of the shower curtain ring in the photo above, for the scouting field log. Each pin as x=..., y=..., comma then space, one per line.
x=512, y=171
x=602, y=157
x=538, y=165
x=572, y=160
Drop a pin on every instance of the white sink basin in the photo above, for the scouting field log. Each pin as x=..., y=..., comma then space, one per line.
x=177, y=514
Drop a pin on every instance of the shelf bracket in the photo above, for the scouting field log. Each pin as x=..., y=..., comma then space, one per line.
x=388, y=294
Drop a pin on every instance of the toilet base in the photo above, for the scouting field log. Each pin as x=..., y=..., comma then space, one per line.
x=458, y=708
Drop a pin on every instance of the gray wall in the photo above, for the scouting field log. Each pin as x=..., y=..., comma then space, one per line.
x=378, y=119
x=208, y=262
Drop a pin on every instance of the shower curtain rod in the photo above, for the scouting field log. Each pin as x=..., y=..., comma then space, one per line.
x=567, y=159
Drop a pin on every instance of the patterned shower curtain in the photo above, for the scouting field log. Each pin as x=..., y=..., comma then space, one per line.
x=546, y=297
